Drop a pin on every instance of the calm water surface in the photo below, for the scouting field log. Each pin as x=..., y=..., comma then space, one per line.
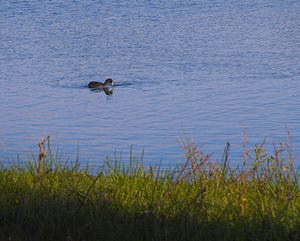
x=203, y=69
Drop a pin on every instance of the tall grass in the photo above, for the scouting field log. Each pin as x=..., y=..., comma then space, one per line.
x=200, y=200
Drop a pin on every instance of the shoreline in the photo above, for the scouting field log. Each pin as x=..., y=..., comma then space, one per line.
x=201, y=200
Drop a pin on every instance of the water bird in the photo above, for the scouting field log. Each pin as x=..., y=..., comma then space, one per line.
x=98, y=85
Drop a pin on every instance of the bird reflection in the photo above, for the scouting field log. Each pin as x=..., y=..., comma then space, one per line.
x=106, y=90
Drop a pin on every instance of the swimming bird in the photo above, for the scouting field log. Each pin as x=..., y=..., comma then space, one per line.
x=98, y=85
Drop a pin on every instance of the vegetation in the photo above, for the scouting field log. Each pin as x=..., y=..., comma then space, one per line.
x=201, y=200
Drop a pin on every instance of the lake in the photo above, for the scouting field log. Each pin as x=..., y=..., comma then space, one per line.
x=204, y=70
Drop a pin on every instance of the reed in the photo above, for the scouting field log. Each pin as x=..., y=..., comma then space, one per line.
x=125, y=200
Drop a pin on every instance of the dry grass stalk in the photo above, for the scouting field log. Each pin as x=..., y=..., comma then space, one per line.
x=42, y=155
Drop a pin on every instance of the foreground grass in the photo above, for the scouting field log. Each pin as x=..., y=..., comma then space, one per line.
x=201, y=200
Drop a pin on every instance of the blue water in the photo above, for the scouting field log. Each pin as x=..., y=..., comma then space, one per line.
x=205, y=70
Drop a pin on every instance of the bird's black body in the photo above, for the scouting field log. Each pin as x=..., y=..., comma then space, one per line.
x=99, y=85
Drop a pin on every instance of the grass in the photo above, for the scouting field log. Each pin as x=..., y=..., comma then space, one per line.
x=200, y=200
